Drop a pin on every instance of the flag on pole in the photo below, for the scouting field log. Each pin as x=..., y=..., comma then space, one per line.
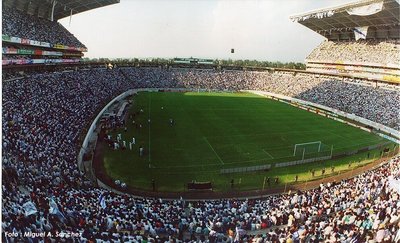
x=237, y=235
x=102, y=201
x=54, y=209
x=70, y=17
x=29, y=208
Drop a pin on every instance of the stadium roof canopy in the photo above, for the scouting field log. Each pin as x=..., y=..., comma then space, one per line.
x=62, y=8
x=382, y=17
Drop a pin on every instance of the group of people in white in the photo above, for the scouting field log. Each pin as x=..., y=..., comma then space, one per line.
x=45, y=115
x=116, y=143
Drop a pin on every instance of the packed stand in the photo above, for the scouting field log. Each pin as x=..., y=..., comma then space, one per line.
x=365, y=51
x=189, y=78
x=43, y=190
x=363, y=209
x=22, y=25
x=377, y=104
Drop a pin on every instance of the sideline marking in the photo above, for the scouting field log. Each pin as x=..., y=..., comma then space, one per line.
x=149, y=127
x=222, y=162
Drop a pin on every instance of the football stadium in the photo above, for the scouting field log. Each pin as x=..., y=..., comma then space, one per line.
x=199, y=149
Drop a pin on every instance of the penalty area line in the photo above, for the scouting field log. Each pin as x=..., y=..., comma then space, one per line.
x=222, y=162
x=266, y=152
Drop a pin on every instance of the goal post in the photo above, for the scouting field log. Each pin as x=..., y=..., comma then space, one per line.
x=298, y=146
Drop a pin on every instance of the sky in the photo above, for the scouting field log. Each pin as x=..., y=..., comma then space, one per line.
x=256, y=29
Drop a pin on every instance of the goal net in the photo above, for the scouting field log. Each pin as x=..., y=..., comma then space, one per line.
x=302, y=149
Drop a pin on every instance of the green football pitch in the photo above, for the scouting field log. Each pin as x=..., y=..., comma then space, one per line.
x=214, y=131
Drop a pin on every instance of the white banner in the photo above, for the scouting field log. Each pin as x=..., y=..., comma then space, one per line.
x=394, y=184
x=52, y=53
x=366, y=10
x=44, y=44
x=389, y=138
x=361, y=32
x=34, y=43
x=15, y=40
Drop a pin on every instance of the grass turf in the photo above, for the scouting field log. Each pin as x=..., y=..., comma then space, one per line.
x=225, y=130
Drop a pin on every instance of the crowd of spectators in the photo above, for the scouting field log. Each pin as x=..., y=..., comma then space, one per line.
x=376, y=104
x=15, y=56
x=364, y=51
x=19, y=57
x=43, y=190
x=22, y=25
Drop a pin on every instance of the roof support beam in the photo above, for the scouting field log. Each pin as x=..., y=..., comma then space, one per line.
x=36, y=10
x=56, y=9
x=52, y=10
x=26, y=7
x=14, y=4
x=343, y=22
